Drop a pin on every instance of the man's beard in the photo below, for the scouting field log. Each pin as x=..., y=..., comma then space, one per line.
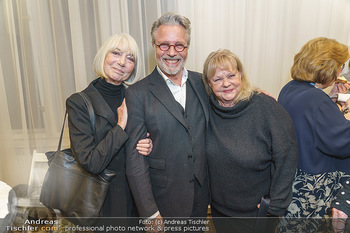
x=165, y=69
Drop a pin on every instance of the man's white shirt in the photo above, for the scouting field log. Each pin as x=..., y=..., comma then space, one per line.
x=179, y=92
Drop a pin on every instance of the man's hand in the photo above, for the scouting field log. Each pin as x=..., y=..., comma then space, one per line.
x=145, y=146
x=155, y=225
x=338, y=220
x=265, y=93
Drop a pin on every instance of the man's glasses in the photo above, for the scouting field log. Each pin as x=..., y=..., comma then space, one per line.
x=165, y=47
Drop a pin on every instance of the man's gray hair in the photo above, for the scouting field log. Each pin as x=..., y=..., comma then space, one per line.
x=171, y=18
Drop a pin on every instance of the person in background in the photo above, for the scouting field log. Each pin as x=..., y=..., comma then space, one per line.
x=10, y=207
x=323, y=134
x=347, y=75
x=170, y=104
x=117, y=65
x=4, y=194
x=251, y=147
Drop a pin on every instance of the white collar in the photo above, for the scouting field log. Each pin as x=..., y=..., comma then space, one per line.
x=183, y=79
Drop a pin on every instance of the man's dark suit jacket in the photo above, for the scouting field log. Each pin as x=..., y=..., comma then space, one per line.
x=164, y=180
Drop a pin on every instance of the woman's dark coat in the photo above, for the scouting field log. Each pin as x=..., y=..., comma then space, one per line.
x=106, y=150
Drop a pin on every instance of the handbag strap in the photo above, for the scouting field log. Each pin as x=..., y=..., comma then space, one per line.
x=90, y=109
x=91, y=116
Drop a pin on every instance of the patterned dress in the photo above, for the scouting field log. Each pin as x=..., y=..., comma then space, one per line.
x=310, y=209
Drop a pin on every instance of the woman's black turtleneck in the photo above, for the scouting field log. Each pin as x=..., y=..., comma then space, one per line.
x=112, y=94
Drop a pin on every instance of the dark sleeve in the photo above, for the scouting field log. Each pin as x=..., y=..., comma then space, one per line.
x=332, y=130
x=284, y=157
x=136, y=165
x=93, y=158
x=342, y=199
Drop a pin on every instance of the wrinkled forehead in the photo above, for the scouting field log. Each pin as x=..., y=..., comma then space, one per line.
x=171, y=33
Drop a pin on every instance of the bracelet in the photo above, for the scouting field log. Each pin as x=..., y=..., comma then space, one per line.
x=346, y=110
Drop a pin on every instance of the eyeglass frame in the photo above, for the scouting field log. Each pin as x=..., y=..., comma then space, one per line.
x=342, y=66
x=169, y=45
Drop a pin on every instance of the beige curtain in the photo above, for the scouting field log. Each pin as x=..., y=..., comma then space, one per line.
x=265, y=34
x=47, y=49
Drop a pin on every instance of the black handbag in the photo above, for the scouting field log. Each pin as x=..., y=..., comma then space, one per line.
x=265, y=224
x=67, y=187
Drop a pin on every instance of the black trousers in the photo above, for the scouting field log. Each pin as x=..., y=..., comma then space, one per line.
x=227, y=224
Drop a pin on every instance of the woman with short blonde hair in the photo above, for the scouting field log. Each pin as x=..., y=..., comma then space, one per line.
x=128, y=44
x=101, y=146
x=225, y=58
x=252, y=146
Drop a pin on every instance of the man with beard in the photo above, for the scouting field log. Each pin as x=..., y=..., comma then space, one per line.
x=170, y=104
